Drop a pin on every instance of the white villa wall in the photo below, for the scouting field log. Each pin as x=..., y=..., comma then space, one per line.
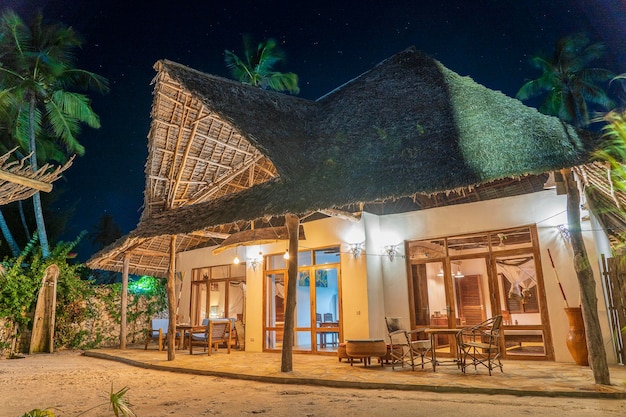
x=547, y=211
x=374, y=287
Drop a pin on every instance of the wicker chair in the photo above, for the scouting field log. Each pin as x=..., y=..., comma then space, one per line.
x=217, y=332
x=480, y=345
x=402, y=348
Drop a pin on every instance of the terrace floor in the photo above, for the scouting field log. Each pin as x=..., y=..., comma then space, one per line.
x=522, y=378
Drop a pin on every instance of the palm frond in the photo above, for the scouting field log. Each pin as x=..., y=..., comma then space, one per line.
x=279, y=81
x=595, y=74
x=77, y=106
x=257, y=67
x=119, y=404
x=534, y=88
x=16, y=31
x=237, y=67
x=591, y=53
x=84, y=79
x=541, y=64
x=63, y=126
x=595, y=95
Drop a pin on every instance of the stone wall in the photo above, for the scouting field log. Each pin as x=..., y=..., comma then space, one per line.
x=100, y=329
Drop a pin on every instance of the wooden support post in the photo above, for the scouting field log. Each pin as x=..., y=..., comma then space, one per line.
x=124, y=301
x=171, y=301
x=292, y=222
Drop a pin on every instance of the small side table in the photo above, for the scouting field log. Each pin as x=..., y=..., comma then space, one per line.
x=433, y=332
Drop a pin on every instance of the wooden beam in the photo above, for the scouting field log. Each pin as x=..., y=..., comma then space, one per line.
x=171, y=301
x=342, y=214
x=148, y=252
x=256, y=237
x=25, y=181
x=208, y=233
x=124, y=301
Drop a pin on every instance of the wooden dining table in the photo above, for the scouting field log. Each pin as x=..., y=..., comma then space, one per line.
x=436, y=331
x=185, y=329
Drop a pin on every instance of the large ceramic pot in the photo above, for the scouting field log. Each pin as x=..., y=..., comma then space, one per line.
x=576, y=339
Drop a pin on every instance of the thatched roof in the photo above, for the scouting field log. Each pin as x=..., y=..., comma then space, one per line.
x=222, y=153
x=606, y=202
x=18, y=181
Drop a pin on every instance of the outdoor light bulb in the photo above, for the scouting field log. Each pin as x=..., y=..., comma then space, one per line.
x=286, y=255
x=236, y=260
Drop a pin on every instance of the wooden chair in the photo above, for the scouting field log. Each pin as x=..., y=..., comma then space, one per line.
x=402, y=348
x=241, y=334
x=480, y=344
x=157, y=331
x=217, y=332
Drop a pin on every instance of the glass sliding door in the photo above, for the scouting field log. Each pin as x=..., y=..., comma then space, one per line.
x=460, y=281
x=318, y=310
x=327, y=309
x=274, y=310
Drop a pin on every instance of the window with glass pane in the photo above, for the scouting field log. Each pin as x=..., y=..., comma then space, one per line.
x=274, y=310
x=511, y=239
x=276, y=262
x=468, y=244
x=427, y=249
x=327, y=256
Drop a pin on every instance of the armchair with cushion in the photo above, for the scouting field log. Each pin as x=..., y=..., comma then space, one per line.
x=402, y=346
x=480, y=345
x=157, y=331
x=218, y=331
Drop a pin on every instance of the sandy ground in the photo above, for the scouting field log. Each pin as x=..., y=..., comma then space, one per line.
x=69, y=384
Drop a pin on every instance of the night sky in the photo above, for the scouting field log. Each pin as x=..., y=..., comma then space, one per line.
x=327, y=44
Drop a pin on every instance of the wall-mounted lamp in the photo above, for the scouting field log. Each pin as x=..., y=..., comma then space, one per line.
x=255, y=262
x=564, y=231
x=391, y=251
x=356, y=249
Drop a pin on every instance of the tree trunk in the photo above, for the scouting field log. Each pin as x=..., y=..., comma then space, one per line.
x=293, y=224
x=41, y=226
x=23, y=219
x=171, y=302
x=32, y=144
x=8, y=236
x=586, y=281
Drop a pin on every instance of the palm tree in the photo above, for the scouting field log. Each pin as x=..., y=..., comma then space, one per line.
x=570, y=88
x=36, y=73
x=105, y=232
x=570, y=85
x=257, y=69
x=257, y=66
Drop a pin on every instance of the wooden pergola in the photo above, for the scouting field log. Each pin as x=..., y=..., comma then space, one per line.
x=18, y=181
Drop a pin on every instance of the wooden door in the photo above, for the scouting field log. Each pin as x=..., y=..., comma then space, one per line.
x=471, y=309
x=419, y=281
